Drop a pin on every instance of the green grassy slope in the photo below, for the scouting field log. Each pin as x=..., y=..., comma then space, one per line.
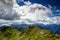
x=31, y=33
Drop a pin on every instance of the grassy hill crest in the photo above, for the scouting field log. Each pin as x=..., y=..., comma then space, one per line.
x=31, y=33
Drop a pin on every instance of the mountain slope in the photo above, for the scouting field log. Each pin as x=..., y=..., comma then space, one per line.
x=31, y=33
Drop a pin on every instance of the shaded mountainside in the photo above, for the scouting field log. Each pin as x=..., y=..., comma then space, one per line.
x=31, y=33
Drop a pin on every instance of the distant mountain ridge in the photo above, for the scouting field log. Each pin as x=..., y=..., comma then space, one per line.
x=53, y=27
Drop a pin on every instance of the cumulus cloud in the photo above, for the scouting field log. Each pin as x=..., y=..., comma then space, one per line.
x=56, y=19
x=27, y=3
x=12, y=13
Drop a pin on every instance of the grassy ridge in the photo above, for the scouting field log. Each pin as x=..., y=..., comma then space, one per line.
x=31, y=33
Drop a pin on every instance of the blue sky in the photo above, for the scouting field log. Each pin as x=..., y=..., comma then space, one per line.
x=54, y=3
x=46, y=2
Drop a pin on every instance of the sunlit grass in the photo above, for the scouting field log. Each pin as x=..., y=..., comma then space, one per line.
x=31, y=33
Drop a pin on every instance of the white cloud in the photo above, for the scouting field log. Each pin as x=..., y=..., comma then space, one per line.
x=56, y=19
x=27, y=3
x=12, y=13
x=50, y=6
x=57, y=10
